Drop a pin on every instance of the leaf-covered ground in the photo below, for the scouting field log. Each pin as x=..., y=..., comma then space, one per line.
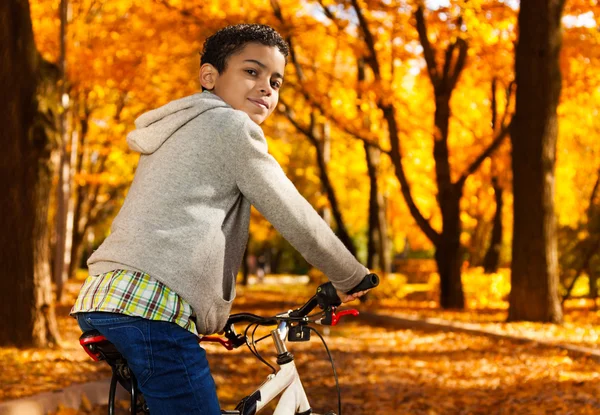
x=382, y=369
x=29, y=371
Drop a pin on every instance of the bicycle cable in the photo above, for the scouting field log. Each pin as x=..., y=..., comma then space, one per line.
x=337, y=383
x=252, y=347
x=254, y=350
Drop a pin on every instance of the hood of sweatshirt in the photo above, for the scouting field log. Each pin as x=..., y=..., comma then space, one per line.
x=155, y=127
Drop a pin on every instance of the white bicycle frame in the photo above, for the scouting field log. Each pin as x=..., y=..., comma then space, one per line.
x=293, y=399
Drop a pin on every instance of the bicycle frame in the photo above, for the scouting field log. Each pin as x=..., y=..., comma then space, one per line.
x=293, y=399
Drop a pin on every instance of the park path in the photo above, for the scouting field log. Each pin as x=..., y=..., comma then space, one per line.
x=387, y=368
x=390, y=368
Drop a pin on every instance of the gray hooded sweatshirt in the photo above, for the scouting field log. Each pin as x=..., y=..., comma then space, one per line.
x=185, y=219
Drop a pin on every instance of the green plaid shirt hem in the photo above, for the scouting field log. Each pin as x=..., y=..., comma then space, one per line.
x=134, y=294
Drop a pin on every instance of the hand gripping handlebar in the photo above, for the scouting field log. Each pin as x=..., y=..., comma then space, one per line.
x=327, y=295
x=368, y=282
x=326, y=298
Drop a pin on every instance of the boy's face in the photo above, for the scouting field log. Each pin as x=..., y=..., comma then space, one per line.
x=250, y=81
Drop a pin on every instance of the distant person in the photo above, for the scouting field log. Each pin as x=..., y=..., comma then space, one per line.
x=260, y=268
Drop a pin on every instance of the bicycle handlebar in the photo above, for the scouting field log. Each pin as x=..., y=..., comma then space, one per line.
x=368, y=282
x=325, y=297
x=250, y=318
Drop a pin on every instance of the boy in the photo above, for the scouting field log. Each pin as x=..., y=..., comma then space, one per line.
x=167, y=271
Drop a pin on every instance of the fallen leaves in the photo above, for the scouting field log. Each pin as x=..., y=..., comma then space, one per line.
x=381, y=369
x=29, y=371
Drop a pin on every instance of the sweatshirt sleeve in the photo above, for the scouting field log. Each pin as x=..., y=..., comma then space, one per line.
x=262, y=181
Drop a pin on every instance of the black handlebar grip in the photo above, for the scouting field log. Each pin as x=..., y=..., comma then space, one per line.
x=370, y=281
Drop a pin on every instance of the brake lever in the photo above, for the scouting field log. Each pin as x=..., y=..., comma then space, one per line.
x=233, y=341
x=212, y=339
x=332, y=319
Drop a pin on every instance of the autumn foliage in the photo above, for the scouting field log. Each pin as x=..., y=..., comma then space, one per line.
x=126, y=57
x=393, y=122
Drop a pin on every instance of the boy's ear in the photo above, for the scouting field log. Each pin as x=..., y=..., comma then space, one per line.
x=208, y=76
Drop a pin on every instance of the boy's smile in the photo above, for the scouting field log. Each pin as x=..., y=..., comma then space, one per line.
x=250, y=81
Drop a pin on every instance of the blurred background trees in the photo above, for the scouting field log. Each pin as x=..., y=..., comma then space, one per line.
x=397, y=122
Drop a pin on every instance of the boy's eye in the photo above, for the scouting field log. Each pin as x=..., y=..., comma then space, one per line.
x=251, y=72
x=275, y=84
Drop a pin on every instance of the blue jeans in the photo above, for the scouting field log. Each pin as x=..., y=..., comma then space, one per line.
x=170, y=367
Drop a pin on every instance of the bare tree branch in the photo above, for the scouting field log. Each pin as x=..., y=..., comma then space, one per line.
x=428, y=51
x=343, y=126
x=460, y=62
x=594, y=247
x=405, y=188
x=325, y=182
x=494, y=104
x=485, y=154
x=595, y=191
x=184, y=12
x=390, y=117
x=447, y=70
x=508, y=93
x=369, y=40
x=331, y=16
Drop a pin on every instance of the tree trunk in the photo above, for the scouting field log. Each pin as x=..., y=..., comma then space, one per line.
x=25, y=298
x=478, y=238
x=492, y=256
x=64, y=181
x=45, y=328
x=325, y=148
x=385, y=243
x=377, y=246
x=593, y=284
x=377, y=242
x=534, y=276
x=373, y=237
x=317, y=133
x=79, y=221
x=448, y=254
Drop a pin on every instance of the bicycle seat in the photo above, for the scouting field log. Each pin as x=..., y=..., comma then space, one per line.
x=98, y=348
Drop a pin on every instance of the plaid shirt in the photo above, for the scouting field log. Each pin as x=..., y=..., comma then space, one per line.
x=134, y=294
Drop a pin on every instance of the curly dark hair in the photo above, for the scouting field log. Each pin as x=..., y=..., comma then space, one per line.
x=231, y=39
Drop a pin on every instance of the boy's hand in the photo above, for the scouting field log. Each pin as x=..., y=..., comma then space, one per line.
x=350, y=297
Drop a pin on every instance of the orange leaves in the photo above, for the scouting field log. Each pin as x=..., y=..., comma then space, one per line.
x=125, y=57
x=382, y=369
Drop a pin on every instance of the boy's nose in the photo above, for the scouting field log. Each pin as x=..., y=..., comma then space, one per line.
x=266, y=90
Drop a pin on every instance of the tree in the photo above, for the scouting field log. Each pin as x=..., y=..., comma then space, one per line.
x=26, y=299
x=492, y=256
x=534, y=270
x=582, y=254
x=378, y=241
x=316, y=136
x=444, y=79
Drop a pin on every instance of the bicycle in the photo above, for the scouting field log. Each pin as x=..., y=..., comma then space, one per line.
x=293, y=326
